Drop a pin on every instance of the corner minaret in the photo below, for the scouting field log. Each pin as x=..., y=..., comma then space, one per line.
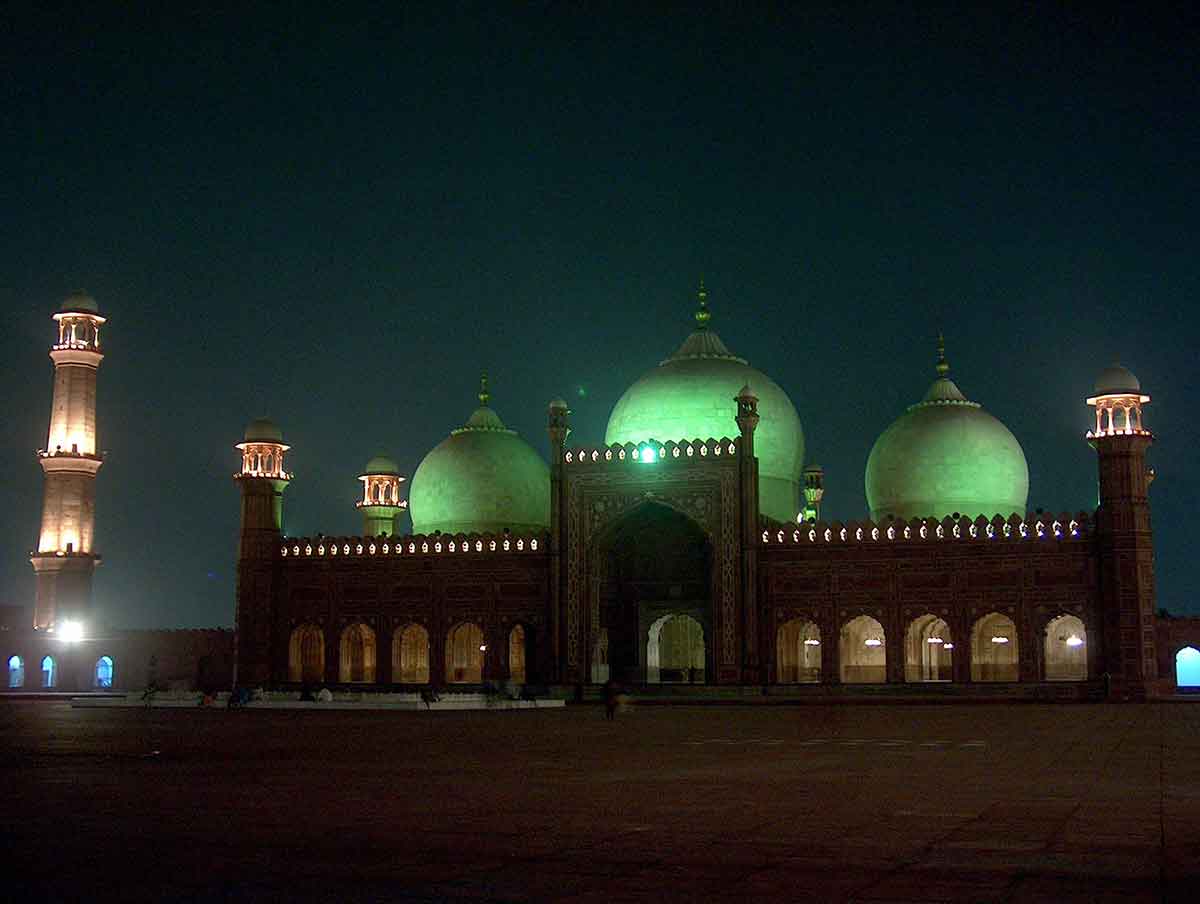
x=65, y=559
x=1126, y=543
x=381, y=504
x=262, y=480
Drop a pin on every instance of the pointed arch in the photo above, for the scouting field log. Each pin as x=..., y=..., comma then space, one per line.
x=464, y=654
x=994, y=648
x=357, y=664
x=516, y=654
x=863, y=648
x=49, y=672
x=410, y=655
x=306, y=654
x=798, y=652
x=16, y=671
x=104, y=672
x=675, y=650
x=1187, y=668
x=1065, y=649
x=928, y=650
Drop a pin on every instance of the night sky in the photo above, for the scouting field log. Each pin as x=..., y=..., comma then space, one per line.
x=340, y=223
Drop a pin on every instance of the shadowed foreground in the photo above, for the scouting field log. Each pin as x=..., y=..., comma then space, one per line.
x=870, y=803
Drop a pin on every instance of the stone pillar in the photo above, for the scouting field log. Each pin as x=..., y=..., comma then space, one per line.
x=752, y=671
x=558, y=428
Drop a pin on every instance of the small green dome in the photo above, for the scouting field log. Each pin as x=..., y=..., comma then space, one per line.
x=482, y=478
x=262, y=430
x=80, y=302
x=381, y=464
x=691, y=395
x=944, y=455
x=1117, y=380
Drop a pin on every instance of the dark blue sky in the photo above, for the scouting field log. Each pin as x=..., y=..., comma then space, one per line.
x=340, y=222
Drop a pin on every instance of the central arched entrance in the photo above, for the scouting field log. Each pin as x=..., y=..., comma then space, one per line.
x=655, y=590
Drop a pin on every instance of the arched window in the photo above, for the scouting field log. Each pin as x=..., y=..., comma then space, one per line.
x=464, y=654
x=928, y=650
x=675, y=650
x=1066, y=649
x=410, y=656
x=1187, y=667
x=798, y=652
x=863, y=648
x=600, y=671
x=516, y=654
x=49, y=671
x=994, y=649
x=16, y=671
x=358, y=654
x=306, y=655
x=104, y=671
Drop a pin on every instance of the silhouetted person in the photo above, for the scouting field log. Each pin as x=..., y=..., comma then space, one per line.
x=612, y=699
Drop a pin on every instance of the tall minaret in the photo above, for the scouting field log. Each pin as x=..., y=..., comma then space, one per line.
x=381, y=504
x=65, y=561
x=262, y=480
x=1123, y=535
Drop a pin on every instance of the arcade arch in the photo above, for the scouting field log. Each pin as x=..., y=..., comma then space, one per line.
x=410, y=655
x=516, y=654
x=357, y=664
x=49, y=672
x=464, y=654
x=104, y=672
x=16, y=671
x=994, y=648
x=306, y=654
x=1187, y=668
x=798, y=652
x=1065, y=649
x=928, y=650
x=863, y=649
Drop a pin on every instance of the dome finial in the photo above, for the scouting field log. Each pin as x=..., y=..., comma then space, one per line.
x=703, y=315
x=484, y=395
x=943, y=366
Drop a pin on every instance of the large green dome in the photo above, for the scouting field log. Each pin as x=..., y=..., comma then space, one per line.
x=944, y=455
x=691, y=395
x=482, y=478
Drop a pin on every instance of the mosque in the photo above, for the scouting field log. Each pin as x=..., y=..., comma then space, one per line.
x=688, y=552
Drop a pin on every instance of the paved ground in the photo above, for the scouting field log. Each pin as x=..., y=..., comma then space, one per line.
x=865, y=803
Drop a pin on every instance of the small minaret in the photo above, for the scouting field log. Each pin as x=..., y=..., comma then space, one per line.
x=381, y=504
x=1123, y=534
x=755, y=668
x=558, y=428
x=814, y=492
x=65, y=560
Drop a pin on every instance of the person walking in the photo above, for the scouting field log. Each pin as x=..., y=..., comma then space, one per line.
x=612, y=699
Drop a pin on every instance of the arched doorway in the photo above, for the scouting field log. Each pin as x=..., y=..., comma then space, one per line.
x=16, y=671
x=49, y=672
x=464, y=654
x=104, y=672
x=306, y=655
x=1066, y=649
x=863, y=648
x=994, y=648
x=1187, y=668
x=928, y=650
x=655, y=589
x=516, y=654
x=798, y=652
x=675, y=651
x=410, y=655
x=600, y=657
x=358, y=655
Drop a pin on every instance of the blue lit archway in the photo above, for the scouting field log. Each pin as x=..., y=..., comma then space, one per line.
x=1187, y=667
x=104, y=671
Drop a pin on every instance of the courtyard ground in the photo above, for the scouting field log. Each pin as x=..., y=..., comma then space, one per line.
x=816, y=803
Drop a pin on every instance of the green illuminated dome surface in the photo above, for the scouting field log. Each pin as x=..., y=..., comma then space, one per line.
x=80, y=301
x=262, y=430
x=381, y=464
x=691, y=395
x=482, y=478
x=945, y=454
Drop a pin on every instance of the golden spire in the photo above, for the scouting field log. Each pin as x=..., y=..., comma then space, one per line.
x=703, y=315
x=484, y=395
x=943, y=366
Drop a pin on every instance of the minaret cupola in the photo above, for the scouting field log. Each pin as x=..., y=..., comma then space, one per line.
x=381, y=504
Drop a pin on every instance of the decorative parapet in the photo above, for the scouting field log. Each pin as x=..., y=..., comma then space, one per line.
x=924, y=530
x=413, y=545
x=652, y=451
